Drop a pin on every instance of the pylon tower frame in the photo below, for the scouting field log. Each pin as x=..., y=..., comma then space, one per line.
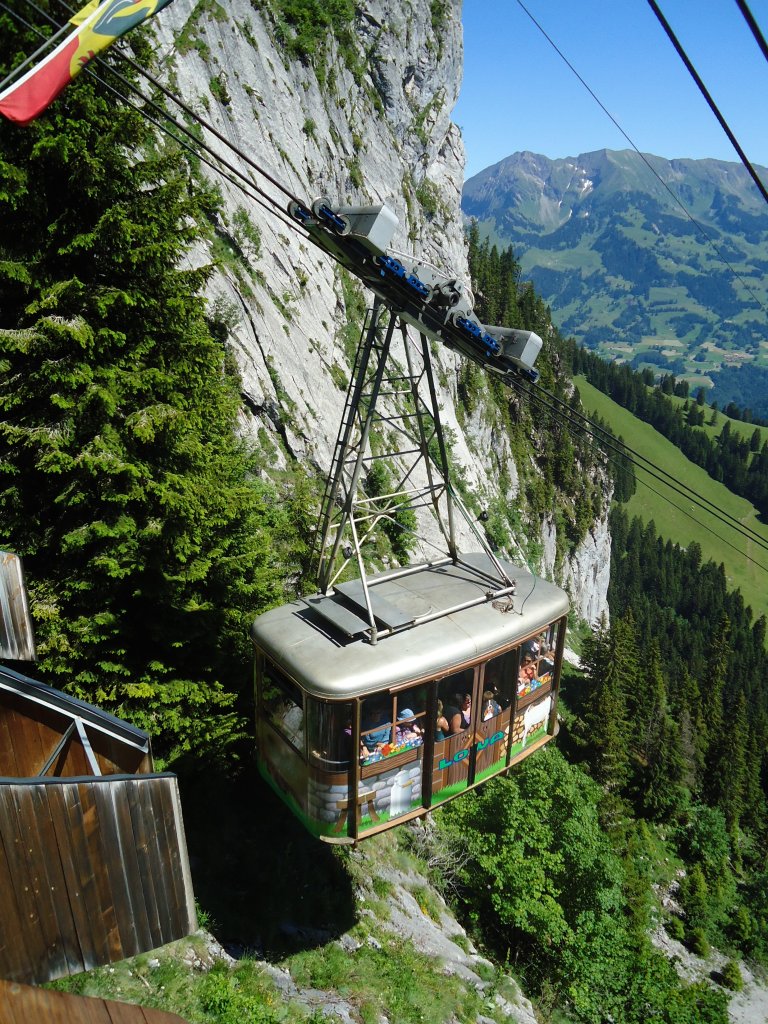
x=411, y=438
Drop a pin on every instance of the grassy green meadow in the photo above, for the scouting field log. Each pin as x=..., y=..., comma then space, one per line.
x=738, y=427
x=677, y=517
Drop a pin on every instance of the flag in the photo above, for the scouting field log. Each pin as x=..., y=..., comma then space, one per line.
x=96, y=26
x=87, y=11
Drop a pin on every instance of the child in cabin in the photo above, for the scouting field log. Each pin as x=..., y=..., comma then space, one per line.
x=491, y=706
x=409, y=733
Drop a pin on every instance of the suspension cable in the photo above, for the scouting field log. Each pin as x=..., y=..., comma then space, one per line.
x=711, y=103
x=583, y=424
x=755, y=29
x=675, y=198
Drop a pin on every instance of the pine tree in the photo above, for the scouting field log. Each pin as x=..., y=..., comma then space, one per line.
x=692, y=732
x=659, y=782
x=610, y=660
x=717, y=670
x=733, y=765
x=146, y=539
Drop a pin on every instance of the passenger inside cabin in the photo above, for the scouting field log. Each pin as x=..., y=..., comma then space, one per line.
x=531, y=647
x=462, y=716
x=376, y=725
x=347, y=745
x=546, y=664
x=409, y=731
x=526, y=680
x=453, y=715
x=490, y=706
x=442, y=725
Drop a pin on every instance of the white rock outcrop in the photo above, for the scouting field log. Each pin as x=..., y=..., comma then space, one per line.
x=365, y=122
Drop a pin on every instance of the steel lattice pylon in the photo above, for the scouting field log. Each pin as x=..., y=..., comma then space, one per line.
x=399, y=406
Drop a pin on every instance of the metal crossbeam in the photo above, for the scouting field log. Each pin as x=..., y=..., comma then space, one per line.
x=401, y=411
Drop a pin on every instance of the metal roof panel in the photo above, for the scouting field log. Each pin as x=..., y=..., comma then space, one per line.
x=333, y=667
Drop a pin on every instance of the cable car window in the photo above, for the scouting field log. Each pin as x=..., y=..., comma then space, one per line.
x=392, y=723
x=329, y=734
x=545, y=664
x=455, y=693
x=282, y=702
x=537, y=662
x=499, y=685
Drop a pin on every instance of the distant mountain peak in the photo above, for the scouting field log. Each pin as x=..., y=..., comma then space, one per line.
x=655, y=261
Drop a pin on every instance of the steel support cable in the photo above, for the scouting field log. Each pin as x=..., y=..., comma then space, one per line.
x=711, y=103
x=601, y=444
x=687, y=493
x=250, y=184
x=169, y=95
x=755, y=29
x=638, y=460
x=187, y=110
x=676, y=199
x=246, y=185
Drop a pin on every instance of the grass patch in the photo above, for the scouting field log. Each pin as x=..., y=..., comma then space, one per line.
x=163, y=980
x=676, y=518
x=428, y=902
x=394, y=981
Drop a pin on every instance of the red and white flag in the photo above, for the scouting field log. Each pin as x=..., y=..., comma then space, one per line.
x=96, y=26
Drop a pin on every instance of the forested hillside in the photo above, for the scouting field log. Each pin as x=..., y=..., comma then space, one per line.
x=670, y=722
x=742, y=465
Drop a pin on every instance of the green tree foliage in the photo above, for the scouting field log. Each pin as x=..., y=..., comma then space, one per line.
x=148, y=543
x=610, y=659
x=567, y=476
x=683, y=739
x=544, y=880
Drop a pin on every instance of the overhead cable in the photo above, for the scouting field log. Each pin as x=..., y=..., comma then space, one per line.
x=245, y=184
x=571, y=415
x=755, y=29
x=711, y=103
x=579, y=422
x=702, y=230
x=194, y=115
x=603, y=444
x=638, y=458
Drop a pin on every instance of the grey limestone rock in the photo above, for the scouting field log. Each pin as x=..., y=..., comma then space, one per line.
x=379, y=131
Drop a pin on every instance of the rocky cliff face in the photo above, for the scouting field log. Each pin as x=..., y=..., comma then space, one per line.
x=362, y=123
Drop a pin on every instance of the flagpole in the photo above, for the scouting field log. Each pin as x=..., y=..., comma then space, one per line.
x=37, y=53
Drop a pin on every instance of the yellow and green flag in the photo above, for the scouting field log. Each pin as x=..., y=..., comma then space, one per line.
x=97, y=25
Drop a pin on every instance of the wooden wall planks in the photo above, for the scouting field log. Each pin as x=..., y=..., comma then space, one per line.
x=92, y=870
x=30, y=732
x=20, y=1004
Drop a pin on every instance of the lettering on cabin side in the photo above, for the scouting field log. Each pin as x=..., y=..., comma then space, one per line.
x=461, y=754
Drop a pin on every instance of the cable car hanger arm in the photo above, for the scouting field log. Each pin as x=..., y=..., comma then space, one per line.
x=435, y=303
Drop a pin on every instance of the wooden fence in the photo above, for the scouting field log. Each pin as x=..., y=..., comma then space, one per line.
x=92, y=870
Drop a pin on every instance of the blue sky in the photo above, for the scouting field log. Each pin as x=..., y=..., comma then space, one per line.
x=518, y=94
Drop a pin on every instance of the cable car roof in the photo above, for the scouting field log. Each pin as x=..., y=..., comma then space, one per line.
x=318, y=648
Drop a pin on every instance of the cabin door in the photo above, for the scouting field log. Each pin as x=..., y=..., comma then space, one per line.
x=456, y=726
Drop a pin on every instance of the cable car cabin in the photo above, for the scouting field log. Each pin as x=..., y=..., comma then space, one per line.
x=358, y=737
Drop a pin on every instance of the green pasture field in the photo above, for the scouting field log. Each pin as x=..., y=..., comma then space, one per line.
x=676, y=516
x=738, y=427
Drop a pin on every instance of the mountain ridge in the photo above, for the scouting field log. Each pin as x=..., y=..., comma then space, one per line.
x=660, y=262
